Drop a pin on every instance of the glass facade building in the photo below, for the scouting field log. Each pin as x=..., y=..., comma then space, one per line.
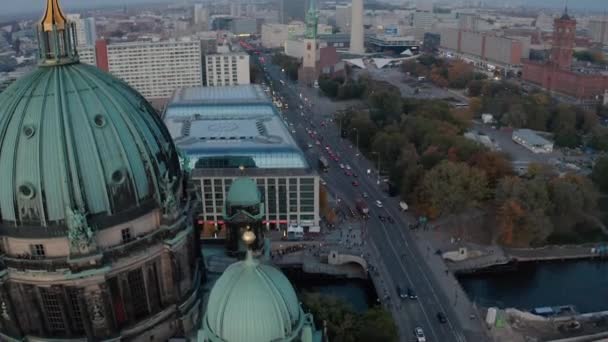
x=230, y=132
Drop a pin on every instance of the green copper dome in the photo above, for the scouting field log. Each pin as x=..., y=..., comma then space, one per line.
x=252, y=302
x=243, y=192
x=73, y=136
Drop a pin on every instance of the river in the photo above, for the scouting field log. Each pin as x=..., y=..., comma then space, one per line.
x=358, y=293
x=583, y=284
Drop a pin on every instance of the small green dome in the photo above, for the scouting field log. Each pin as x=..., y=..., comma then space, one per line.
x=253, y=302
x=73, y=136
x=243, y=191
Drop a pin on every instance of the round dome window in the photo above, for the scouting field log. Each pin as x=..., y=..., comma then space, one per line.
x=27, y=191
x=29, y=131
x=118, y=177
x=99, y=120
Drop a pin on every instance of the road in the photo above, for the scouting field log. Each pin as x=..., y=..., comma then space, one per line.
x=402, y=258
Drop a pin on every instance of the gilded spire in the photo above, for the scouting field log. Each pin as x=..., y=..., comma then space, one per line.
x=56, y=37
x=53, y=16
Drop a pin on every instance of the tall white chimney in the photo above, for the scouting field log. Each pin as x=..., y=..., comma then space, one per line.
x=356, y=28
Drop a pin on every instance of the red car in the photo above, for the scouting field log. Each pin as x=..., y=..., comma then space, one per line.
x=355, y=183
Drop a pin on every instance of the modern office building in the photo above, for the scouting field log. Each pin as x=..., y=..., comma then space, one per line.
x=468, y=21
x=227, y=69
x=96, y=225
x=86, y=32
x=598, y=30
x=154, y=69
x=357, y=44
x=343, y=17
x=231, y=132
x=486, y=51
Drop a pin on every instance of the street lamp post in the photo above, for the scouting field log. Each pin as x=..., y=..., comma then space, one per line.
x=378, y=155
x=356, y=130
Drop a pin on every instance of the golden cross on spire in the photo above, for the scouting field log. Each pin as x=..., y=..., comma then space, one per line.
x=53, y=16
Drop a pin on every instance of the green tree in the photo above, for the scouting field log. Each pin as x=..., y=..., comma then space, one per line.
x=572, y=195
x=367, y=129
x=567, y=137
x=599, y=138
x=494, y=164
x=377, y=325
x=529, y=199
x=532, y=193
x=340, y=317
x=453, y=187
x=600, y=173
x=564, y=119
x=329, y=87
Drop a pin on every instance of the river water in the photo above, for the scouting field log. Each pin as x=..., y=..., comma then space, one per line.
x=358, y=293
x=583, y=284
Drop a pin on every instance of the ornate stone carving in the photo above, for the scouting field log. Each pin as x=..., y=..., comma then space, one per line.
x=80, y=233
x=185, y=161
x=4, y=311
x=170, y=203
x=96, y=309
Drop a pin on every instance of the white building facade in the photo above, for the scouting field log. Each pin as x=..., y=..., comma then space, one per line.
x=227, y=69
x=154, y=69
x=86, y=32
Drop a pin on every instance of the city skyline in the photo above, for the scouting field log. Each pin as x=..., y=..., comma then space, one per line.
x=31, y=6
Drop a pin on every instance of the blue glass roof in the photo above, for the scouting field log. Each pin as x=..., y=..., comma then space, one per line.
x=215, y=127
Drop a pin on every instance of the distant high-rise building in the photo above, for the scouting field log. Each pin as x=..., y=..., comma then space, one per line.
x=423, y=19
x=150, y=67
x=227, y=69
x=468, y=21
x=344, y=14
x=356, y=29
x=424, y=5
x=201, y=16
x=598, y=30
x=86, y=32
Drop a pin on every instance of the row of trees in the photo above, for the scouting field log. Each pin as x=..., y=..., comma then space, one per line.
x=341, y=89
x=571, y=125
x=454, y=74
x=289, y=64
x=346, y=325
x=421, y=147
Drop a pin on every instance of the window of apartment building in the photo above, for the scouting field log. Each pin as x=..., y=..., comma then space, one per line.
x=37, y=250
x=126, y=235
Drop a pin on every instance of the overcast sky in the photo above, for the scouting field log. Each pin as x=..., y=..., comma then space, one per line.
x=24, y=6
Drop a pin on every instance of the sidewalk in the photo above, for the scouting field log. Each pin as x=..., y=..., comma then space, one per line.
x=466, y=311
x=379, y=274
